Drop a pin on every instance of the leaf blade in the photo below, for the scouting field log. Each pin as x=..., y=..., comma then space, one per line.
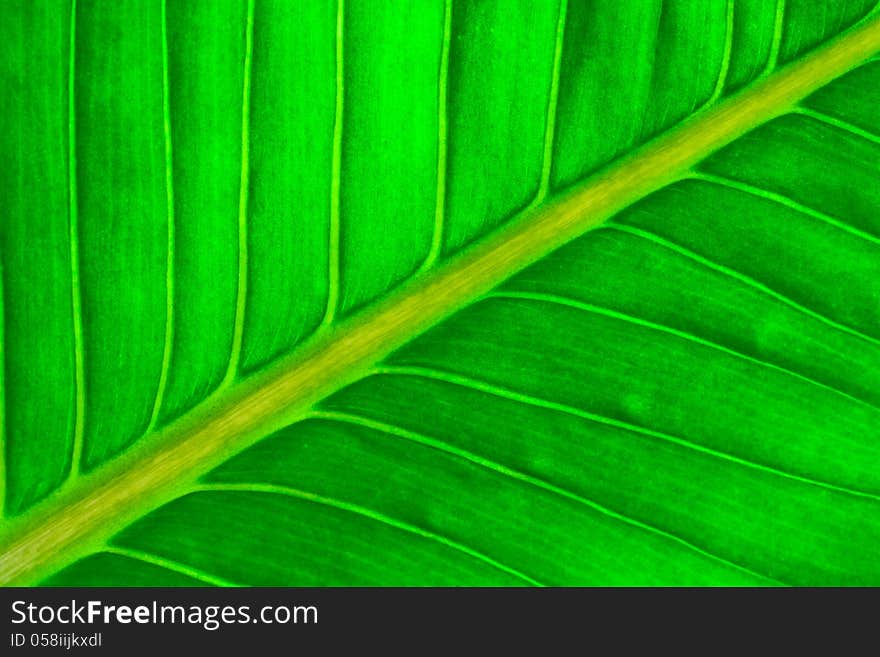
x=564, y=216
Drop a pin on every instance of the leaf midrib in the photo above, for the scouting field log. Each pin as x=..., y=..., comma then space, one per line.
x=77, y=519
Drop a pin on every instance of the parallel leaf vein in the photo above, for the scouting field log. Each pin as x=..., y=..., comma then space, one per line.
x=243, y=192
x=727, y=52
x=528, y=479
x=77, y=517
x=782, y=200
x=3, y=479
x=335, y=235
x=840, y=124
x=586, y=307
x=169, y=564
x=489, y=388
x=169, y=201
x=776, y=42
x=275, y=489
x=75, y=290
x=552, y=104
x=442, y=146
x=732, y=273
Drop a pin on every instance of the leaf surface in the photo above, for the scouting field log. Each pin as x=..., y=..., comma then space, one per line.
x=309, y=295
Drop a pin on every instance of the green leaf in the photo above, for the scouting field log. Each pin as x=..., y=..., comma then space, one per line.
x=493, y=293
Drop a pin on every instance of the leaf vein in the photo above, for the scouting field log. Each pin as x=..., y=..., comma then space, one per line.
x=75, y=290
x=732, y=273
x=243, y=190
x=81, y=514
x=169, y=564
x=3, y=478
x=725, y=57
x=169, y=200
x=275, y=489
x=586, y=307
x=498, y=391
x=442, y=146
x=552, y=103
x=528, y=479
x=334, y=244
x=776, y=42
x=840, y=124
x=782, y=200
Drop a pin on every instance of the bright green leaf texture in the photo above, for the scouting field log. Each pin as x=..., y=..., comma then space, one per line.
x=687, y=395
